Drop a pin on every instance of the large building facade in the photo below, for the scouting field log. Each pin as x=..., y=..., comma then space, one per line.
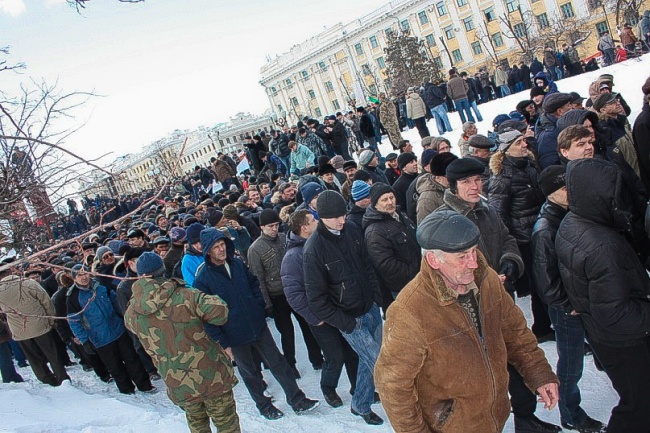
x=347, y=62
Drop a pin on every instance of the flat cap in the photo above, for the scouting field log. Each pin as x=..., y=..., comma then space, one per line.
x=447, y=230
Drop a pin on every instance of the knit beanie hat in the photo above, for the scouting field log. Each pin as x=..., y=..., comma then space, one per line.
x=101, y=251
x=177, y=234
x=427, y=156
x=310, y=190
x=440, y=162
x=362, y=175
x=230, y=212
x=213, y=216
x=150, y=263
x=193, y=233
x=360, y=190
x=365, y=157
x=405, y=158
x=330, y=204
x=507, y=137
x=337, y=161
x=377, y=190
x=447, y=230
x=76, y=268
x=115, y=245
x=552, y=178
x=269, y=216
x=537, y=91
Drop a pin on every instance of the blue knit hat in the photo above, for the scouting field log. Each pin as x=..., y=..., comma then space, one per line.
x=150, y=263
x=310, y=190
x=360, y=190
x=193, y=233
x=76, y=268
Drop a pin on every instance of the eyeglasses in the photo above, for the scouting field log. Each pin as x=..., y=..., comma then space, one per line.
x=108, y=255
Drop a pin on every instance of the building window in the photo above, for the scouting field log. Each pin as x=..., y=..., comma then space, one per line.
x=457, y=55
x=542, y=21
x=294, y=101
x=468, y=23
x=405, y=26
x=519, y=30
x=497, y=39
x=476, y=48
x=431, y=40
x=274, y=91
x=490, y=15
x=512, y=5
x=373, y=89
x=567, y=10
x=287, y=81
x=449, y=32
x=424, y=19
x=322, y=65
x=365, y=68
x=336, y=105
x=441, y=8
x=388, y=32
x=461, y=2
x=311, y=93
x=373, y=42
x=328, y=86
x=601, y=28
x=358, y=49
x=381, y=63
x=305, y=75
x=317, y=112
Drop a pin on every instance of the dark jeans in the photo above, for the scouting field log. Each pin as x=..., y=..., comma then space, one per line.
x=627, y=368
x=40, y=351
x=124, y=365
x=252, y=376
x=541, y=321
x=421, y=125
x=365, y=339
x=7, y=368
x=337, y=352
x=284, y=324
x=523, y=401
x=343, y=151
x=18, y=353
x=570, y=338
x=146, y=360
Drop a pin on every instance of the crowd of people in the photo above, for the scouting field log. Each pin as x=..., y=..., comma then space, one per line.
x=400, y=268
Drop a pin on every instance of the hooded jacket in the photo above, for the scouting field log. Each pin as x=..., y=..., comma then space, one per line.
x=435, y=373
x=168, y=319
x=238, y=288
x=392, y=246
x=547, y=141
x=430, y=195
x=549, y=85
x=27, y=297
x=514, y=193
x=190, y=263
x=603, y=278
x=415, y=106
x=293, y=279
x=340, y=282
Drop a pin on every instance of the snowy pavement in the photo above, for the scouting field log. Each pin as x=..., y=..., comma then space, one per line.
x=90, y=406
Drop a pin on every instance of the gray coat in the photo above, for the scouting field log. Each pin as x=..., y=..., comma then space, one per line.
x=265, y=259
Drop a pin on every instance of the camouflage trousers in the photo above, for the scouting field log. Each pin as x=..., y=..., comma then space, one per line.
x=222, y=410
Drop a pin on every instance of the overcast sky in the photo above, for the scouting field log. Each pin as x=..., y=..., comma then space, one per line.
x=162, y=64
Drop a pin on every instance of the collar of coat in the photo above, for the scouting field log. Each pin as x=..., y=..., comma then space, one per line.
x=433, y=280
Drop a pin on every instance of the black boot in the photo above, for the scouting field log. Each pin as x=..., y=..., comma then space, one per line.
x=532, y=424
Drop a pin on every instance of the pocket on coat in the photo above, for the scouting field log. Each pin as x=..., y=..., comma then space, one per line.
x=443, y=411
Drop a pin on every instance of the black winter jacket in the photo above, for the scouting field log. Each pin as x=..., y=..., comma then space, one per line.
x=432, y=95
x=293, y=279
x=355, y=215
x=401, y=186
x=545, y=271
x=605, y=281
x=514, y=193
x=340, y=282
x=641, y=134
x=393, y=248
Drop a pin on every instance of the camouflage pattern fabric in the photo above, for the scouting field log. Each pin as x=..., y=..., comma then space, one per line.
x=222, y=410
x=388, y=118
x=168, y=319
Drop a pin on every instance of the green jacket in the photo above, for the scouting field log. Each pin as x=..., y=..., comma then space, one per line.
x=168, y=319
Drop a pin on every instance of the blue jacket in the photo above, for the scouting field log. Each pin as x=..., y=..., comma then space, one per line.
x=547, y=141
x=240, y=290
x=191, y=261
x=293, y=279
x=100, y=322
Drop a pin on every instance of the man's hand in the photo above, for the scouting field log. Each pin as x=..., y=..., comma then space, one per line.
x=228, y=351
x=549, y=395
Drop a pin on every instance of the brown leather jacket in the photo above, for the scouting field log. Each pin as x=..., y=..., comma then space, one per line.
x=436, y=374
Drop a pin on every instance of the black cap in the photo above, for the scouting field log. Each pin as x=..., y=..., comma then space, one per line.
x=479, y=141
x=447, y=230
x=330, y=204
x=440, y=162
x=405, y=158
x=552, y=178
x=464, y=167
x=391, y=156
x=554, y=101
x=377, y=190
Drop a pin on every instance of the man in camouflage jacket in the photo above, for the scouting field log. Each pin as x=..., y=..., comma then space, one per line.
x=168, y=319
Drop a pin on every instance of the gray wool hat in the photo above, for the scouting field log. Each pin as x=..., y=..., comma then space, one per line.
x=507, y=137
x=447, y=230
x=366, y=156
x=481, y=142
x=101, y=251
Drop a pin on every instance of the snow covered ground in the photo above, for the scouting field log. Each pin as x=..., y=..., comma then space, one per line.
x=90, y=406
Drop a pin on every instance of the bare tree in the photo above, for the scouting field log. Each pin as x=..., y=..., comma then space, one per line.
x=483, y=36
x=569, y=30
x=522, y=28
x=78, y=5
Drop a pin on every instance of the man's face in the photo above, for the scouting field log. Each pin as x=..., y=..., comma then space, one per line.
x=373, y=162
x=136, y=242
x=265, y=189
x=392, y=163
x=444, y=147
x=254, y=196
x=82, y=279
x=288, y=194
x=612, y=109
x=133, y=264
x=518, y=149
x=88, y=252
x=469, y=189
x=217, y=253
x=162, y=222
x=328, y=177
x=350, y=172
x=386, y=203
x=537, y=99
x=310, y=225
x=161, y=250
x=457, y=269
x=560, y=197
x=580, y=148
x=334, y=223
x=271, y=230
x=108, y=258
x=531, y=108
x=408, y=147
x=587, y=124
x=363, y=203
x=482, y=153
x=411, y=167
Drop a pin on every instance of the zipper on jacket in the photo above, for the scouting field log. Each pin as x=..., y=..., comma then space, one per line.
x=342, y=291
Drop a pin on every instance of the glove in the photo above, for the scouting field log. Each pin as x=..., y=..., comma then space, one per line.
x=510, y=270
x=269, y=312
x=89, y=348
